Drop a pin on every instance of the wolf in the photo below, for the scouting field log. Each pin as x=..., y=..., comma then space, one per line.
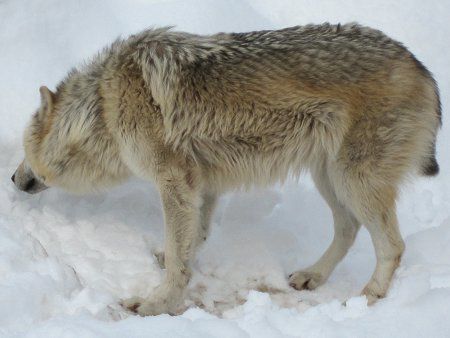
x=201, y=115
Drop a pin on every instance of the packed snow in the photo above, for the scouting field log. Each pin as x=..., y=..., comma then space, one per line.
x=66, y=261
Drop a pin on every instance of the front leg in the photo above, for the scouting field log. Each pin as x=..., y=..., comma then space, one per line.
x=209, y=202
x=181, y=202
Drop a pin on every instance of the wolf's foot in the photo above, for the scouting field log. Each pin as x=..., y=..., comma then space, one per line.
x=132, y=304
x=162, y=302
x=372, y=294
x=149, y=307
x=306, y=280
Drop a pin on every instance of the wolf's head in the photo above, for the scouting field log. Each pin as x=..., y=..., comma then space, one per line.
x=67, y=144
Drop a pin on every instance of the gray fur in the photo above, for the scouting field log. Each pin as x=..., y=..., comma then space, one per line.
x=200, y=115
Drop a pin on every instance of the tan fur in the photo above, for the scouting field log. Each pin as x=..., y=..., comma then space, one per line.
x=200, y=115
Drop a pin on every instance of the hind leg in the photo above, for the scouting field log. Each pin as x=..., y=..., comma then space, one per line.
x=372, y=201
x=389, y=247
x=346, y=227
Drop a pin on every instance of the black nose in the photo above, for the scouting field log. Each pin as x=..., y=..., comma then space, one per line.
x=30, y=184
x=13, y=178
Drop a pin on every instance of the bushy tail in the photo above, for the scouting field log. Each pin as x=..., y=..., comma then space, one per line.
x=430, y=166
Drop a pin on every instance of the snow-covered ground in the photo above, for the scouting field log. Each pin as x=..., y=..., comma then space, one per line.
x=66, y=261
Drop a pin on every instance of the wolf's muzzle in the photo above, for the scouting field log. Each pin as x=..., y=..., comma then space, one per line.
x=28, y=183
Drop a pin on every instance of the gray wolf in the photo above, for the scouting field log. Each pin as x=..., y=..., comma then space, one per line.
x=200, y=115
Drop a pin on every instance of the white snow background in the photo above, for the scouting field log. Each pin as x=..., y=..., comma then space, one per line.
x=66, y=261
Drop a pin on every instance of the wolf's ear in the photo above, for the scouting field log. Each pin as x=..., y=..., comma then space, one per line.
x=47, y=99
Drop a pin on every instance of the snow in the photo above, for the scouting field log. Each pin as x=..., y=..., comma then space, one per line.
x=66, y=261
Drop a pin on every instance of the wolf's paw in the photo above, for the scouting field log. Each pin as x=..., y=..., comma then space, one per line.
x=147, y=307
x=306, y=280
x=132, y=304
x=372, y=295
x=164, y=300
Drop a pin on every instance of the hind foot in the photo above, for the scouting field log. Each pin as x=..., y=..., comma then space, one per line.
x=306, y=280
x=372, y=295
